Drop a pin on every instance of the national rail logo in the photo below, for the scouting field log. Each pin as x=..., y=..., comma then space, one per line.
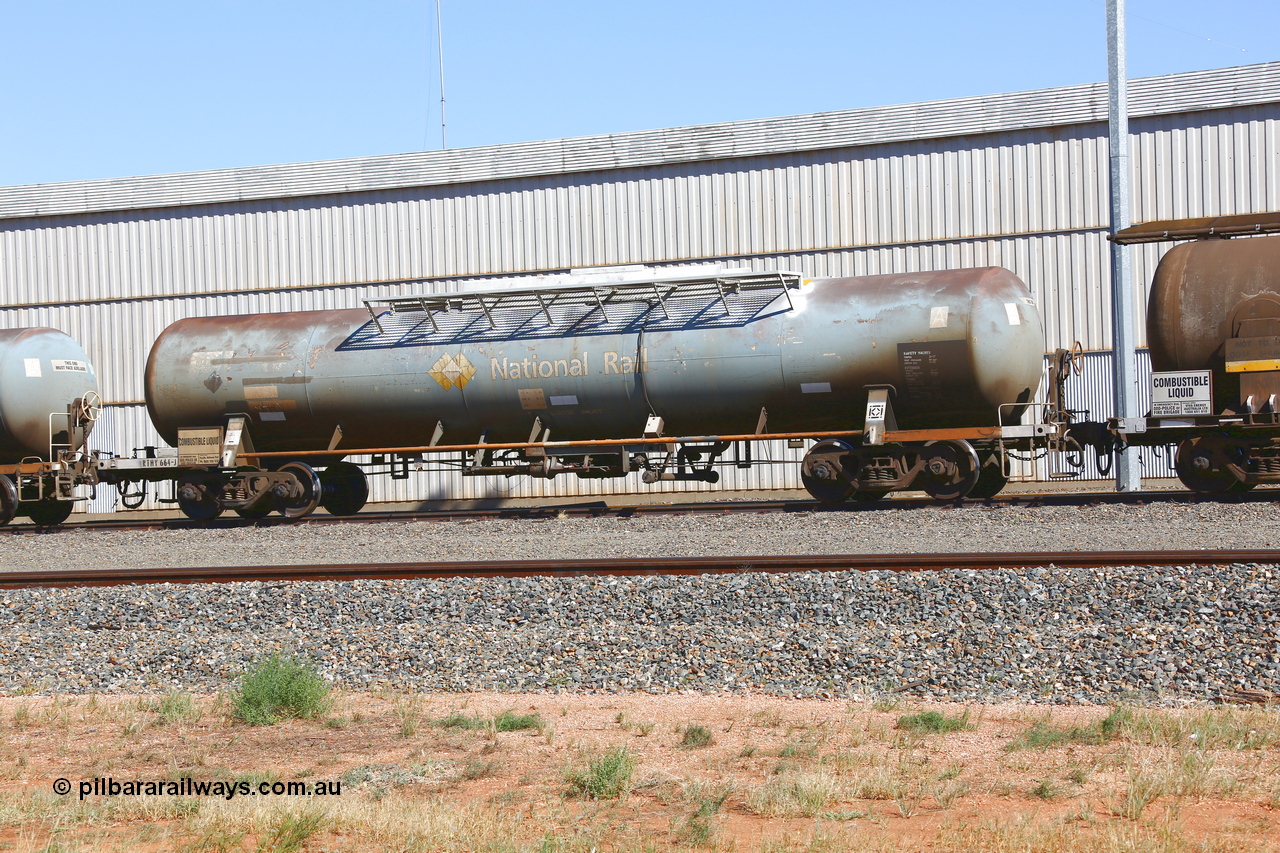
x=452, y=371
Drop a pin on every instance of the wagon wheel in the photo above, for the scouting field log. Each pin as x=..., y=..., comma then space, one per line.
x=254, y=513
x=306, y=502
x=991, y=481
x=199, y=495
x=823, y=474
x=951, y=469
x=8, y=500
x=49, y=512
x=344, y=489
x=1202, y=463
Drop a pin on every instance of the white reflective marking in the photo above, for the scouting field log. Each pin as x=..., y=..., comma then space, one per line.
x=569, y=400
x=33, y=366
x=938, y=317
x=271, y=416
x=1011, y=309
x=815, y=387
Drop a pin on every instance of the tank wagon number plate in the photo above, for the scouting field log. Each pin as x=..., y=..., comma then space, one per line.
x=200, y=446
x=1184, y=392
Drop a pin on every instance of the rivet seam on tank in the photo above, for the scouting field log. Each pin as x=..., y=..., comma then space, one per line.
x=1011, y=309
x=938, y=317
x=452, y=371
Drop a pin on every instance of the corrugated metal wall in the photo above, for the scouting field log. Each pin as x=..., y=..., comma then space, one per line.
x=1034, y=201
x=1063, y=106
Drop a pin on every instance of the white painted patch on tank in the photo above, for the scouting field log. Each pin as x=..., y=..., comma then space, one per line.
x=938, y=317
x=815, y=387
x=271, y=416
x=1011, y=310
x=568, y=400
x=261, y=392
x=208, y=356
x=33, y=367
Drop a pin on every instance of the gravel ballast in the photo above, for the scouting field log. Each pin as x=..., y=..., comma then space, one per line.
x=1045, y=634
x=883, y=530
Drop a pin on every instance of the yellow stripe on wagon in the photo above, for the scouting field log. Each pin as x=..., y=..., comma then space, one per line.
x=1253, y=366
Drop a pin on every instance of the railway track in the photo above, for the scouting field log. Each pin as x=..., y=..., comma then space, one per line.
x=656, y=566
x=598, y=509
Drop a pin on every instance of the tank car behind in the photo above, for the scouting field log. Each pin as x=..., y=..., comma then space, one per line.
x=728, y=354
x=48, y=404
x=1214, y=321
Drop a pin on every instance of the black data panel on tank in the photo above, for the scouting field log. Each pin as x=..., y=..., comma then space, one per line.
x=935, y=371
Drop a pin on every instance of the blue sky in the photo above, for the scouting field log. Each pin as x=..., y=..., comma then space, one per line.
x=101, y=90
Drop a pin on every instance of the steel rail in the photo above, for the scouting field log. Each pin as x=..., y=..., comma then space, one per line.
x=600, y=509
x=641, y=566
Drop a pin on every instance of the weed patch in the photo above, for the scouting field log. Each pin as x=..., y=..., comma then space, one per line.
x=290, y=832
x=280, y=688
x=507, y=721
x=606, y=777
x=696, y=737
x=931, y=722
x=176, y=707
x=1042, y=735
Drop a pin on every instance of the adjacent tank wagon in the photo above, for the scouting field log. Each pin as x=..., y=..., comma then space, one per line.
x=1213, y=325
x=48, y=404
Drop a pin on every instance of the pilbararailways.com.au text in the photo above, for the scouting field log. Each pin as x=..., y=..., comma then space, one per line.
x=188, y=787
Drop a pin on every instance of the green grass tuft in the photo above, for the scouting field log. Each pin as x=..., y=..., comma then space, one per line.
x=507, y=721
x=280, y=688
x=510, y=721
x=606, y=777
x=1041, y=735
x=931, y=722
x=176, y=707
x=696, y=737
x=290, y=833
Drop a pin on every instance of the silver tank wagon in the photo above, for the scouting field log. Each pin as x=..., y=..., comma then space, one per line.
x=48, y=403
x=732, y=354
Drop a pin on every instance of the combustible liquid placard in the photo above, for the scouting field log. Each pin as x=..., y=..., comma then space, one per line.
x=1184, y=392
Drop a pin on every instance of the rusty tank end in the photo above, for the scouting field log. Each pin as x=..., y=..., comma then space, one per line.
x=42, y=372
x=954, y=344
x=1207, y=292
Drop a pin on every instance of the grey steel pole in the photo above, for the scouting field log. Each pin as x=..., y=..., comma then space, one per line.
x=1125, y=370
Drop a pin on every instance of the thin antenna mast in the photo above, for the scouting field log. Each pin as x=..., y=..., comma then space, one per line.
x=444, y=140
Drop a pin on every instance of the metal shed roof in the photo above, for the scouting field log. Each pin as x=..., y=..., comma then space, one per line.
x=1174, y=93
